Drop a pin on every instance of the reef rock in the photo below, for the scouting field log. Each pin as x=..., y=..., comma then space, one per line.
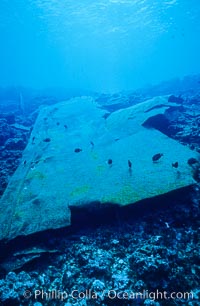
x=76, y=157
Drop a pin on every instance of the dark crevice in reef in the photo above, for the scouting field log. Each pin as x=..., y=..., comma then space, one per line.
x=164, y=122
x=102, y=214
x=158, y=122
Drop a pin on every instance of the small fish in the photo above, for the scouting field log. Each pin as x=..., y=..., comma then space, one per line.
x=58, y=123
x=77, y=150
x=65, y=126
x=130, y=167
x=157, y=156
x=47, y=139
x=33, y=140
x=110, y=161
x=175, y=165
x=92, y=143
x=129, y=164
x=24, y=162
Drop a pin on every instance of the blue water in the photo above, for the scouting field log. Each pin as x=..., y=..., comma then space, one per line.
x=98, y=45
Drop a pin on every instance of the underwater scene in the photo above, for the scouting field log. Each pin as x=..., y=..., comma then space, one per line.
x=99, y=153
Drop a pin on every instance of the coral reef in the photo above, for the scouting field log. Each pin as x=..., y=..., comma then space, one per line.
x=14, y=135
